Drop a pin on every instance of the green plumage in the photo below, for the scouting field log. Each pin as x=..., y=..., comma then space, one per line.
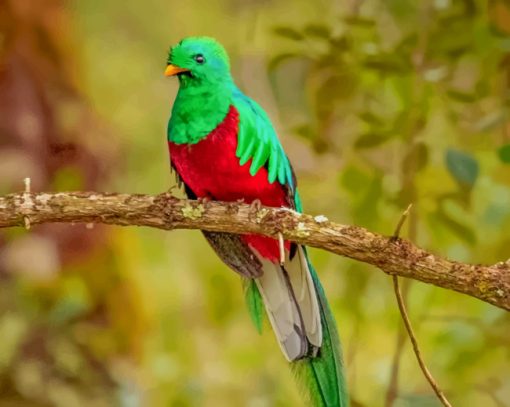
x=258, y=141
x=255, y=303
x=203, y=100
x=205, y=95
x=324, y=374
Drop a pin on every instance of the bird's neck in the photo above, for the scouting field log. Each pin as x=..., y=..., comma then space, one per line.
x=197, y=111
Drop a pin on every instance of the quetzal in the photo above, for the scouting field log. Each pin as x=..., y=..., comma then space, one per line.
x=223, y=147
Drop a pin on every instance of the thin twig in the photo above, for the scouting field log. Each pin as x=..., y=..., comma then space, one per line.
x=26, y=219
x=407, y=323
x=400, y=301
x=392, y=392
x=405, y=214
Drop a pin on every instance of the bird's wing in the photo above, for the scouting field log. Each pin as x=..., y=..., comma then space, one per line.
x=257, y=140
x=288, y=291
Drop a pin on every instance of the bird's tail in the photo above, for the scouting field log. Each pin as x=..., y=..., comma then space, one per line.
x=321, y=376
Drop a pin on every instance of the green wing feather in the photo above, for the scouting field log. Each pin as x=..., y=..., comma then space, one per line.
x=257, y=140
x=322, y=376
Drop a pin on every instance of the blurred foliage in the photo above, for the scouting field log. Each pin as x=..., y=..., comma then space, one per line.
x=69, y=314
x=378, y=104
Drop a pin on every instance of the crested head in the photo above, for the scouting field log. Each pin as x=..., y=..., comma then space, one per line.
x=205, y=88
x=199, y=61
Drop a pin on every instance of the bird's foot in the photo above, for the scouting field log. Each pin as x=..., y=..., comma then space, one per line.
x=205, y=201
x=233, y=207
x=255, y=205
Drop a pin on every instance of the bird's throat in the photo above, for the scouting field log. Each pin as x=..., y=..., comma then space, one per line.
x=197, y=111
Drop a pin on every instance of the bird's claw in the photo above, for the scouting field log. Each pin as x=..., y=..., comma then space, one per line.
x=205, y=201
x=255, y=205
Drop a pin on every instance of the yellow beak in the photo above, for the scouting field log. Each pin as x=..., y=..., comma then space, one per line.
x=172, y=70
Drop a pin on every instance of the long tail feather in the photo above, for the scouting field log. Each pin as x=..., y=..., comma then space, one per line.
x=323, y=375
x=282, y=310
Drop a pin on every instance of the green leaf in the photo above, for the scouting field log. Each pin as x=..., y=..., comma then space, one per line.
x=360, y=21
x=287, y=32
x=370, y=140
x=504, y=153
x=317, y=30
x=371, y=118
x=462, y=166
x=340, y=44
x=462, y=97
x=416, y=158
x=388, y=63
x=340, y=86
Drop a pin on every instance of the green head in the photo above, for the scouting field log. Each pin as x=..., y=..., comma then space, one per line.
x=205, y=91
x=199, y=61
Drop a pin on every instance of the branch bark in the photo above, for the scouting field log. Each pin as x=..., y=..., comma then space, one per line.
x=393, y=256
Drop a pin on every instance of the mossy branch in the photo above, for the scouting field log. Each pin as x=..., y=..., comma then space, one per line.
x=400, y=257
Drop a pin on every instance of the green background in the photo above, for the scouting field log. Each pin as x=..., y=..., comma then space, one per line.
x=377, y=103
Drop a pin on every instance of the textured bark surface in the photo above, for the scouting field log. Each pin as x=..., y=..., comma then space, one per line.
x=395, y=257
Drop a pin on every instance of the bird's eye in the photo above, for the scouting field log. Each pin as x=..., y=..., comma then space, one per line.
x=199, y=58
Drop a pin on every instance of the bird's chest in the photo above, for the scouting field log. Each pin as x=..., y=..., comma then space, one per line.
x=211, y=169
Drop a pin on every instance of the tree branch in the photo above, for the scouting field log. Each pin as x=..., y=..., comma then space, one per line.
x=393, y=256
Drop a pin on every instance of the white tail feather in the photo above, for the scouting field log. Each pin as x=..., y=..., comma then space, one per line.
x=306, y=297
x=294, y=327
x=281, y=310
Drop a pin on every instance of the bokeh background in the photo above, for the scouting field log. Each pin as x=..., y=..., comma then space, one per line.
x=378, y=104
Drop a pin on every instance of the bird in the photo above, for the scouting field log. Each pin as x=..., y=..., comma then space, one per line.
x=223, y=147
